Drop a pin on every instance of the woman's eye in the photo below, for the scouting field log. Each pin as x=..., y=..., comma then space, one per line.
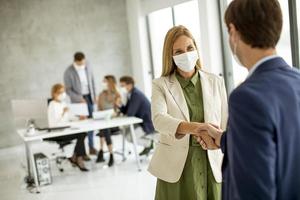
x=190, y=48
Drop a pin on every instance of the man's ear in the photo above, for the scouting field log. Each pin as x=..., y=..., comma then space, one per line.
x=233, y=32
x=231, y=29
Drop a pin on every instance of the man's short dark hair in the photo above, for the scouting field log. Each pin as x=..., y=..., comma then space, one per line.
x=258, y=21
x=79, y=56
x=127, y=79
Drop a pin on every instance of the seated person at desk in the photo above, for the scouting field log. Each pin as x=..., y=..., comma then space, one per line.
x=138, y=106
x=58, y=115
x=106, y=101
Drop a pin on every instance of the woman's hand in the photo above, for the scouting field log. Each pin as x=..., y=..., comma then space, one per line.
x=191, y=128
x=66, y=109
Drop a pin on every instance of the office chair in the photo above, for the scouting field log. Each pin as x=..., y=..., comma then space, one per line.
x=60, y=158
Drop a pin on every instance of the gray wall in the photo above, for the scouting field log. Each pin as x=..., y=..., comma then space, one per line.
x=37, y=42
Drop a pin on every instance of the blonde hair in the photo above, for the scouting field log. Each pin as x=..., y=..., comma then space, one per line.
x=55, y=89
x=173, y=34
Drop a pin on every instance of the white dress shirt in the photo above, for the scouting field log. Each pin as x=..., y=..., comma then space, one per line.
x=261, y=61
x=83, y=80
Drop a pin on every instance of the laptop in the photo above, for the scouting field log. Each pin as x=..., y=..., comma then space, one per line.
x=105, y=114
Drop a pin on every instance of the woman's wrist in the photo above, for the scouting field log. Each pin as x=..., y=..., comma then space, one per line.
x=185, y=128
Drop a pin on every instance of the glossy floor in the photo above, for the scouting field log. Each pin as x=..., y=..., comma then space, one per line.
x=121, y=182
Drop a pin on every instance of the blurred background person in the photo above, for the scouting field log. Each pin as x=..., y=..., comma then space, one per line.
x=137, y=105
x=106, y=100
x=80, y=86
x=58, y=115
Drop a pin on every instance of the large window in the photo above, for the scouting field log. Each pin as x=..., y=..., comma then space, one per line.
x=284, y=45
x=283, y=48
x=187, y=14
x=161, y=21
x=159, y=24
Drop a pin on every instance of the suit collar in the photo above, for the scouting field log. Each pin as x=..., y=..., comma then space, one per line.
x=177, y=93
x=271, y=64
x=260, y=62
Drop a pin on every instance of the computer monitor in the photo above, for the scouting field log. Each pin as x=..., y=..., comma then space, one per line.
x=34, y=109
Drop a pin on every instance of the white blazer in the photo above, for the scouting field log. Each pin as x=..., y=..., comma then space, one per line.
x=169, y=109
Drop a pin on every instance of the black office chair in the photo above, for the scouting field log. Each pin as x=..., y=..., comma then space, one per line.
x=60, y=156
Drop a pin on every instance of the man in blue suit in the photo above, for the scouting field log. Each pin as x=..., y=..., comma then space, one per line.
x=138, y=106
x=262, y=142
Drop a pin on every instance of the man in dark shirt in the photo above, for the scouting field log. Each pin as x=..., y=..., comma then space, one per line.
x=138, y=106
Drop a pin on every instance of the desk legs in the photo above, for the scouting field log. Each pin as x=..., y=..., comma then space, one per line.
x=28, y=159
x=135, y=147
x=123, y=146
x=31, y=163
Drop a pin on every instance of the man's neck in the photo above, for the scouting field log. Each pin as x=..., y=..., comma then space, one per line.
x=255, y=55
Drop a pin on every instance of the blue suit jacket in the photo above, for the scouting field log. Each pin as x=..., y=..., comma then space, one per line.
x=262, y=142
x=139, y=106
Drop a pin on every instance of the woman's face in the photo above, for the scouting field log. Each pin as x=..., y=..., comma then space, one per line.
x=59, y=92
x=182, y=45
x=108, y=84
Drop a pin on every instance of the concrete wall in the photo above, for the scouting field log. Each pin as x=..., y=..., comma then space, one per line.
x=37, y=42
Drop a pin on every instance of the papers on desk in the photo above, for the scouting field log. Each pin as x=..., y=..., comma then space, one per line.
x=79, y=109
x=105, y=114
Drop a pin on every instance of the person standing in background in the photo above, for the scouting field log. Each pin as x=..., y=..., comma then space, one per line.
x=106, y=101
x=80, y=86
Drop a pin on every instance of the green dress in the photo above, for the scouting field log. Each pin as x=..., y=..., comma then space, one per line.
x=197, y=181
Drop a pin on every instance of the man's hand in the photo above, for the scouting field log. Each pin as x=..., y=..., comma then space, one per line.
x=206, y=142
x=207, y=133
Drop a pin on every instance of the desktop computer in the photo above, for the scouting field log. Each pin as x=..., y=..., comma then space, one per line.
x=43, y=169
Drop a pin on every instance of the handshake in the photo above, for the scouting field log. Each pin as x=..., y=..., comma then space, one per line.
x=208, y=135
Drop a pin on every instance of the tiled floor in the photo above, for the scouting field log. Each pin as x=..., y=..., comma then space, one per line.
x=121, y=182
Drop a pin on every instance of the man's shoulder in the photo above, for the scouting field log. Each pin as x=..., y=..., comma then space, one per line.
x=69, y=69
x=137, y=93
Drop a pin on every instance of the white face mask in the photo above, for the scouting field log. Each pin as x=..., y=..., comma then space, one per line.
x=105, y=86
x=186, y=61
x=79, y=66
x=123, y=90
x=62, y=97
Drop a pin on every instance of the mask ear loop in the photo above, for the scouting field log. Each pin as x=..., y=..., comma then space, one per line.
x=235, y=47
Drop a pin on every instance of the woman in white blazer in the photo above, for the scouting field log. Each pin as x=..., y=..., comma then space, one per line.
x=184, y=98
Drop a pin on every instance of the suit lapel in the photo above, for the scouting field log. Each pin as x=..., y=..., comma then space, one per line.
x=177, y=93
x=207, y=90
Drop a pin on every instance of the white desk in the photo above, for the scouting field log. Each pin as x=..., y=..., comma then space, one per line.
x=77, y=127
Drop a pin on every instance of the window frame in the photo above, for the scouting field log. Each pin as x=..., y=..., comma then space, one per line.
x=227, y=59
